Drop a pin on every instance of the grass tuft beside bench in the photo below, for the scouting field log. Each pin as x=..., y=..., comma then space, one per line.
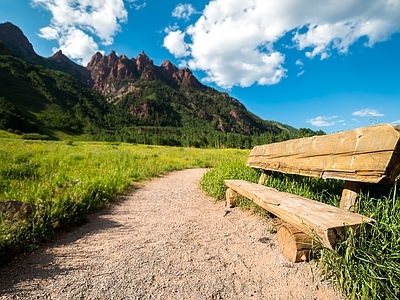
x=368, y=155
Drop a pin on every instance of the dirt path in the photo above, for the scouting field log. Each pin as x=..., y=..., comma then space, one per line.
x=166, y=240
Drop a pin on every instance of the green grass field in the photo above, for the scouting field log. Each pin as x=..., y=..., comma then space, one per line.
x=65, y=181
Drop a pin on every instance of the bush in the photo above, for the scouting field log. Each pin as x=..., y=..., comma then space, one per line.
x=213, y=181
x=35, y=136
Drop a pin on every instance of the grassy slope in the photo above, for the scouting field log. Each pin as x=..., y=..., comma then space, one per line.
x=52, y=102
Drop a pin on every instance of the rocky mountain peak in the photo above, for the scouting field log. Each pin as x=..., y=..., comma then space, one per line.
x=112, y=58
x=143, y=61
x=13, y=37
x=168, y=69
x=94, y=61
x=106, y=69
x=186, y=77
x=11, y=34
x=60, y=57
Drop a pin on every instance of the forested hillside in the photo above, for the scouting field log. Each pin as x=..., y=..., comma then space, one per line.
x=36, y=99
x=119, y=99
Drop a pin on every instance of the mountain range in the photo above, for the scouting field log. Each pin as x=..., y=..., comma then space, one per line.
x=115, y=95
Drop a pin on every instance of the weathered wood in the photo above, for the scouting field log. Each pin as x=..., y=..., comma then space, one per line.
x=312, y=217
x=294, y=244
x=350, y=196
x=369, y=154
x=264, y=176
x=230, y=196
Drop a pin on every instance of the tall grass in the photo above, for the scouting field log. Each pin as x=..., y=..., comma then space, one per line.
x=364, y=265
x=65, y=181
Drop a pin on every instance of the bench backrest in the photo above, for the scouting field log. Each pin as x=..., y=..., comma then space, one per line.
x=368, y=154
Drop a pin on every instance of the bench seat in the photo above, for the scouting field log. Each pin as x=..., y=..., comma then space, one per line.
x=312, y=217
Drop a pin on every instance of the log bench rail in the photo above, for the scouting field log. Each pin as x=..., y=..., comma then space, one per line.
x=368, y=155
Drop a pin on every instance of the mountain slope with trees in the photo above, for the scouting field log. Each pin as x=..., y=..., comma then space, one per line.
x=119, y=99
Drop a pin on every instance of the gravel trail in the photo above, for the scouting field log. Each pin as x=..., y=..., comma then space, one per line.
x=165, y=240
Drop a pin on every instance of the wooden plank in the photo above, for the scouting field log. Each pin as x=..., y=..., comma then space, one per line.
x=369, y=154
x=312, y=217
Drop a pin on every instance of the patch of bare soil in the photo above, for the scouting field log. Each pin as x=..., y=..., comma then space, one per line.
x=165, y=240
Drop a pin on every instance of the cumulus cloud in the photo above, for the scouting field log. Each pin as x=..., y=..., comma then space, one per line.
x=77, y=44
x=233, y=40
x=76, y=24
x=49, y=33
x=321, y=121
x=183, y=11
x=367, y=112
x=175, y=43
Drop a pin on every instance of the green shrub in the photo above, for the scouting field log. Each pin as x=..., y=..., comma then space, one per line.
x=35, y=136
x=213, y=181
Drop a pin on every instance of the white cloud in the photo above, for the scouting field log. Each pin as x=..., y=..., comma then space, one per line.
x=77, y=44
x=396, y=122
x=175, y=43
x=136, y=6
x=49, y=33
x=299, y=63
x=322, y=121
x=300, y=73
x=78, y=22
x=367, y=112
x=233, y=40
x=183, y=11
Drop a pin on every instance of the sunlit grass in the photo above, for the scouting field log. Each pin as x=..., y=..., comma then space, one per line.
x=64, y=181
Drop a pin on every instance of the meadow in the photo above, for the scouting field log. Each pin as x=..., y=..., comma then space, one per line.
x=66, y=181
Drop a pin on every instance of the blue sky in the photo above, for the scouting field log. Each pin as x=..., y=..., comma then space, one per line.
x=329, y=65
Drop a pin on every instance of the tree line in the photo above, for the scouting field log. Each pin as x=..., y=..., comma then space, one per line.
x=185, y=137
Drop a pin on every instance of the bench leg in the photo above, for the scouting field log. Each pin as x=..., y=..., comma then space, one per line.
x=350, y=196
x=264, y=176
x=293, y=243
x=231, y=197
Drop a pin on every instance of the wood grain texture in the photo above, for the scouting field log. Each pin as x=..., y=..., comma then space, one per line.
x=350, y=196
x=369, y=154
x=312, y=217
x=294, y=244
x=230, y=196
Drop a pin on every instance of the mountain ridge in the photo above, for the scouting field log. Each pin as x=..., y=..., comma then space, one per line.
x=153, y=95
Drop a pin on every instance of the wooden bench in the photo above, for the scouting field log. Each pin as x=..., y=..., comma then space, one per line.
x=369, y=155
